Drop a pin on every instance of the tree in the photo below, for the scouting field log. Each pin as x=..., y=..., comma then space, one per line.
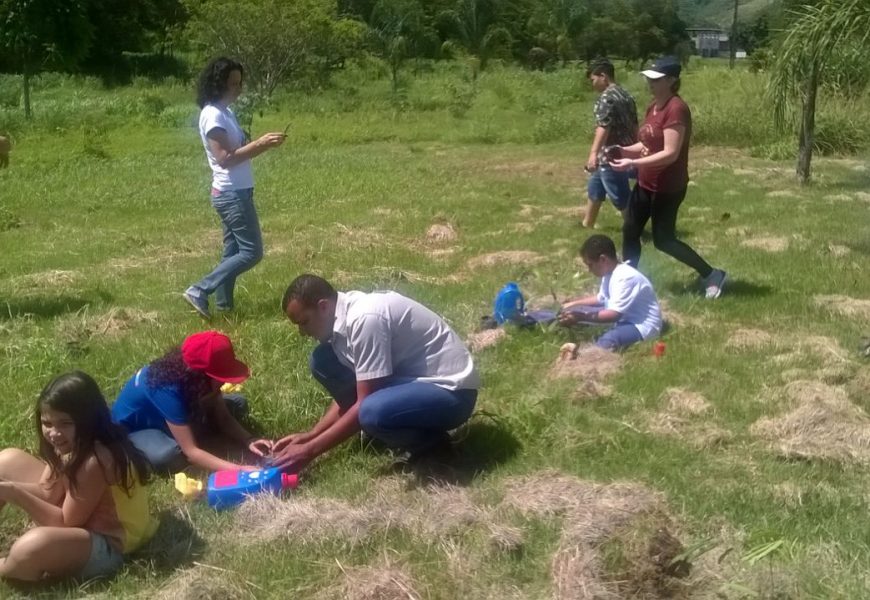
x=277, y=41
x=814, y=37
x=557, y=26
x=399, y=29
x=474, y=26
x=43, y=33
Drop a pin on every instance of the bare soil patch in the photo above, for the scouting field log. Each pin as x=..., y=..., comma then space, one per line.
x=505, y=257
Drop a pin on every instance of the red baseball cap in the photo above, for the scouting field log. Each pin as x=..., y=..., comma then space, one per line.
x=212, y=353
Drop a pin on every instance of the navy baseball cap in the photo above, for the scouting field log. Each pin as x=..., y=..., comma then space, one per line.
x=663, y=67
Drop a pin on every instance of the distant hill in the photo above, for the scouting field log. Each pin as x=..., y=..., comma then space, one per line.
x=700, y=13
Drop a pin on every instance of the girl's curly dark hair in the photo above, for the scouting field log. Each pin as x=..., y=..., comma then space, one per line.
x=78, y=395
x=171, y=370
x=213, y=80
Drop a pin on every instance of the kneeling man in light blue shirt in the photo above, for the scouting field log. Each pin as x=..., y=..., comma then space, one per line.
x=395, y=370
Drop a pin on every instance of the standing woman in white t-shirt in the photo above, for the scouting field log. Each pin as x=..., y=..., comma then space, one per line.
x=232, y=192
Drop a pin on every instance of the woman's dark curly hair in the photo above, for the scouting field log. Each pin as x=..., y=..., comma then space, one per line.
x=78, y=395
x=170, y=370
x=213, y=80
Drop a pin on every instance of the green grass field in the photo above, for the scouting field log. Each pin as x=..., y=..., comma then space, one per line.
x=747, y=441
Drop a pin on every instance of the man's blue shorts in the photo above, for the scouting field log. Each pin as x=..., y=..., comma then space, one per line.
x=613, y=184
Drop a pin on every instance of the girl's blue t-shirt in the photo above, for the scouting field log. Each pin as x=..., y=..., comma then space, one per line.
x=140, y=406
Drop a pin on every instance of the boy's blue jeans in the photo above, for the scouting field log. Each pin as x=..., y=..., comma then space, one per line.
x=161, y=449
x=412, y=416
x=243, y=244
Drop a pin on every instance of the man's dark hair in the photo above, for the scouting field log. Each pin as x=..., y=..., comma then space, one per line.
x=308, y=290
x=601, y=66
x=596, y=245
x=212, y=84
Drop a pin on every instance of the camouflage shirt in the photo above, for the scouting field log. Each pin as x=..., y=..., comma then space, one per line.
x=615, y=109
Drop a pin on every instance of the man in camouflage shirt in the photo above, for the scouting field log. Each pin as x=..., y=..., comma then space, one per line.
x=615, y=124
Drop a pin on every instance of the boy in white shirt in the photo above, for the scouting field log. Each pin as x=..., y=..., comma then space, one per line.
x=626, y=298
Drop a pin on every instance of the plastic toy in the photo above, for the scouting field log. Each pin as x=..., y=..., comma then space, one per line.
x=229, y=488
x=188, y=486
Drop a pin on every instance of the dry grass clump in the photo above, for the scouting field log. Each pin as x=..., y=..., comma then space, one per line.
x=593, y=514
x=266, y=518
x=80, y=327
x=749, y=339
x=484, y=339
x=505, y=538
x=588, y=363
x=844, y=305
x=586, y=505
x=203, y=583
x=440, y=233
x=443, y=510
x=825, y=426
x=768, y=244
x=385, y=582
x=681, y=418
x=505, y=257
x=838, y=250
x=47, y=279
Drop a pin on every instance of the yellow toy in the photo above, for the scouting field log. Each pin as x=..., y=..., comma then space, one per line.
x=231, y=388
x=188, y=486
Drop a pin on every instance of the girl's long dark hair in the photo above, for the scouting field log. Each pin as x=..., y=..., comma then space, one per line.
x=170, y=370
x=212, y=83
x=78, y=395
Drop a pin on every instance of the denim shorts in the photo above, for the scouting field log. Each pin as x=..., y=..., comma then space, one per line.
x=613, y=184
x=104, y=561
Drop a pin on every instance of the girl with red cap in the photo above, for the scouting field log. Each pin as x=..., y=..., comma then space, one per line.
x=173, y=404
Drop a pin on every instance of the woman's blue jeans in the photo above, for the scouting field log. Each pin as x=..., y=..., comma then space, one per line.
x=412, y=416
x=243, y=244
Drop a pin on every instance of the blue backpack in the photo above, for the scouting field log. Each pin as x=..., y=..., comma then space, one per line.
x=509, y=304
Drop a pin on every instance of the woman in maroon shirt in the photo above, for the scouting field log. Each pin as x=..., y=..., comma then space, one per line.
x=662, y=161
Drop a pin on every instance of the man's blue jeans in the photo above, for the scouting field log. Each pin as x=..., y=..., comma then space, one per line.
x=412, y=416
x=243, y=244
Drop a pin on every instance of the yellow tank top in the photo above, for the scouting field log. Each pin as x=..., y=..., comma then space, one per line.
x=125, y=520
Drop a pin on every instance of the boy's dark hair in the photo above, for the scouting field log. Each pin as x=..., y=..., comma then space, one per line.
x=308, y=290
x=78, y=395
x=601, y=66
x=170, y=370
x=213, y=79
x=596, y=245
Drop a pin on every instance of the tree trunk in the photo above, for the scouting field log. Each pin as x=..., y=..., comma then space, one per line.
x=808, y=126
x=732, y=47
x=28, y=113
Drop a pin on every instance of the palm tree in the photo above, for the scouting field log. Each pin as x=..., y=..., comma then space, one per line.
x=815, y=36
x=475, y=28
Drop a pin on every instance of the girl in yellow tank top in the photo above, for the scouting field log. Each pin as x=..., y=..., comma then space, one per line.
x=87, y=495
